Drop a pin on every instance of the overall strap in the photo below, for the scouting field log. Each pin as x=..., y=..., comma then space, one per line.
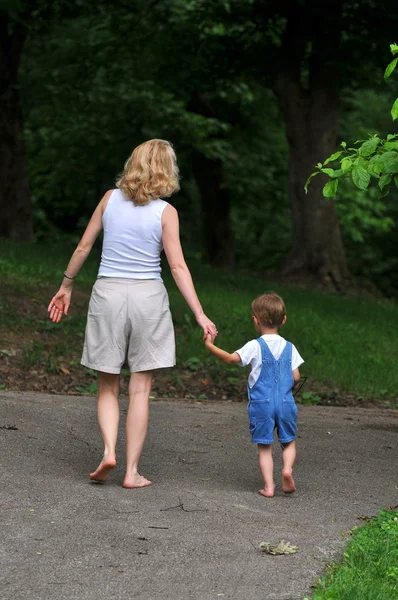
x=288, y=349
x=265, y=351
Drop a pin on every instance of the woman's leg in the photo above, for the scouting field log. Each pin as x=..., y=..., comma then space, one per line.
x=267, y=469
x=136, y=426
x=108, y=420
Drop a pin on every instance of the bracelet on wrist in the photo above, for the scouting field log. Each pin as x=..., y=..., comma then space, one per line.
x=69, y=276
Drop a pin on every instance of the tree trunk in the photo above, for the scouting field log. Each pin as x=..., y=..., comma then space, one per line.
x=217, y=233
x=311, y=115
x=16, y=220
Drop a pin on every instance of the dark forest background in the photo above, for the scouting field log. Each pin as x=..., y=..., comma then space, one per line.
x=251, y=93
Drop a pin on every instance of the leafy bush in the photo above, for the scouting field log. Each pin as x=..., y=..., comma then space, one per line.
x=375, y=158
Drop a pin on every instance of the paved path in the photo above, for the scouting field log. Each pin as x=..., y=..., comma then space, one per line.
x=65, y=538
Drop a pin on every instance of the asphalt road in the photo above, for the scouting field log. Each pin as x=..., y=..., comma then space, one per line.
x=194, y=534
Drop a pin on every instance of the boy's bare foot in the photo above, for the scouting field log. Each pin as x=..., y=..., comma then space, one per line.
x=267, y=492
x=288, y=485
x=135, y=481
x=105, y=467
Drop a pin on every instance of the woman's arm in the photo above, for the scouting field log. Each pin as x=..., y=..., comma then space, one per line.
x=59, y=305
x=180, y=271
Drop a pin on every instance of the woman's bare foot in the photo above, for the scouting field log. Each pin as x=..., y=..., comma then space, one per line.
x=288, y=485
x=105, y=467
x=135, y=481
x=267, y=492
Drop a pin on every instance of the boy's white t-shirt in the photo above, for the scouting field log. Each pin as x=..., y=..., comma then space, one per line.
x=250, y=354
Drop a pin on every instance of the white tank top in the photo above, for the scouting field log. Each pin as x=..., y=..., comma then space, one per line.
x=132, y=238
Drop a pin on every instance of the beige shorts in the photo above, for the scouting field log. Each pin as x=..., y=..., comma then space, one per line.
x=128, y=321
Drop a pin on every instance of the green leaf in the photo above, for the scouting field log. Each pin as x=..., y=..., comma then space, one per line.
x=343, y=145
x=333, y=157
x=389, y=160
x=385, y=180
x=330, y=189
x=396, y=180
x=360, y=162
x=360, y=177
x=346, y=164
x=309, y=179
x=329, y=172
x=390, y=68
x=388, y=157
x=368, y=148
x=394, y=49
x=384, y=192
x=338, y=173
x=392, y=136
x=374, y=173
x=391, y=146
x=375, y=164
x=394, y=110
x=392, y=168
x=319, y=165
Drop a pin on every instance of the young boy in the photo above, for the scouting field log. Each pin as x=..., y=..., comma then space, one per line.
x=274, y=374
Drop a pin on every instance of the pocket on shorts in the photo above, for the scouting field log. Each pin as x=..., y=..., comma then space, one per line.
x=96, y=304
x=259, y=410
x=93, y=303
x=289, y=411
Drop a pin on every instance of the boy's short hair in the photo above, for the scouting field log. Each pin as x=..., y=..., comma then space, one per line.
x=269, y=309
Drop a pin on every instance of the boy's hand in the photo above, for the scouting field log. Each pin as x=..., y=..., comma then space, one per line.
x=209, y=339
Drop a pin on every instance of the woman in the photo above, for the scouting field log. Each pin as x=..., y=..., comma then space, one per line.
x=128, y=316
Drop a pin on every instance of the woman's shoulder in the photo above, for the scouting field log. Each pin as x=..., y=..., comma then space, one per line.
x=168, y=211
x=108, y=194
x=106, y=198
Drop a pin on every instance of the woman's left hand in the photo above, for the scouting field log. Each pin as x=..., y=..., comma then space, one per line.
x=207, y=326
x=59, y=305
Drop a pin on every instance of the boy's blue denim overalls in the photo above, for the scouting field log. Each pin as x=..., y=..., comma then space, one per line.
x=271, y=402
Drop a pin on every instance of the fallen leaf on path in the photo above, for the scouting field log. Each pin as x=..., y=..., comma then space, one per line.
x=64, y=371
x=281, y=547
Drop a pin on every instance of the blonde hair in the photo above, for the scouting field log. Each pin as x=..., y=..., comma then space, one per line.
x=269, y=309
x=150, y=172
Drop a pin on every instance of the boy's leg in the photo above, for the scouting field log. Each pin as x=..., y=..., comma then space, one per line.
x=108, y=420
x=267, y=469
x=136, y=426
x=289, y=456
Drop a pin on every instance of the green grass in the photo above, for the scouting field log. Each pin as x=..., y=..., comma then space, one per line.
x=369, y=568
x=28, y=266
x=349, y=344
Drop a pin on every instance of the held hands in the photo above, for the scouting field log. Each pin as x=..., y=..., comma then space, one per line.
x=207, y=326
x=208, y=339
x=59, y=305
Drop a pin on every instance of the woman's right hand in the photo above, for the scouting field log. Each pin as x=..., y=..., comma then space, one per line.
x=208, y=326
x=59, y=305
